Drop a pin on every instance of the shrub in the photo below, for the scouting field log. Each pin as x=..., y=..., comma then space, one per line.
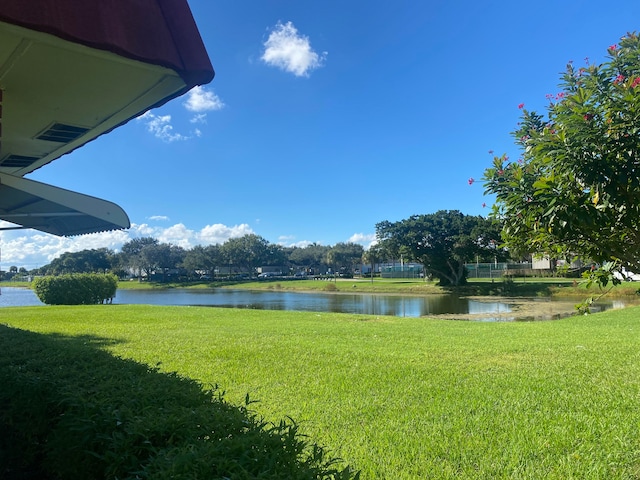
x=76, y=289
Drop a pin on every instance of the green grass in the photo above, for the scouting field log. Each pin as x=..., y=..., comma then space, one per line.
x=405, y=398
x=516, y=287
x=394, y=286
x=69, y=410
x=538, y=286
x=15, y=284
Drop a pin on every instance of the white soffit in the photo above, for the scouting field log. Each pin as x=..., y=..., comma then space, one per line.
x=47, y=81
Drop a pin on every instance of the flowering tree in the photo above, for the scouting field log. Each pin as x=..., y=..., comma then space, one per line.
x=576, y=188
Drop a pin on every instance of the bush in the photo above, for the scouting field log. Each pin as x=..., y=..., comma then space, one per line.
x=76, y=289
x=69, y=410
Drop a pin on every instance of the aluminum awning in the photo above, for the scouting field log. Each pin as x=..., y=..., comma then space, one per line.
x=72, y=70
x=50, y=209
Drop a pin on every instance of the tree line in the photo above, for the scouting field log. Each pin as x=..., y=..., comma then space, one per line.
x=147, y=257
x=442, y=242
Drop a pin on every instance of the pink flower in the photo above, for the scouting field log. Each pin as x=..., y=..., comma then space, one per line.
x=560, y=96
x=619, y=79
x=470, y=181
x=500, y=172
x=636, y=82
x=613, y=47
x=521, y=106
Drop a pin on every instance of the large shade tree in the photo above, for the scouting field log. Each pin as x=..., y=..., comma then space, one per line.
x=311, y=258
x=161, y=258
x=84, y=261
x=576, y=188
x=343, y=257
x=245, y=253
x=201, y=260
x=132, y=257
x=442, y=242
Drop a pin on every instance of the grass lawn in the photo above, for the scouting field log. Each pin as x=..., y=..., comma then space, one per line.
x=404, y=398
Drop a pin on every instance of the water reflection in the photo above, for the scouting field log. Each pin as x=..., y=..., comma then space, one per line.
x=396, y=305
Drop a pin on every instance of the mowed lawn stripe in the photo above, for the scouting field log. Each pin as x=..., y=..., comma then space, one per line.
x=405, y=398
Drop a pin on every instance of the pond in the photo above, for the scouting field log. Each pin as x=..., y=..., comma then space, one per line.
x=447, y=306
x=401, y=306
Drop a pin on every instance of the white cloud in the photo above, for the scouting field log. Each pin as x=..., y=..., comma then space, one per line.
x=291, y=52
x=201, y=100
x=160, y=126
x=32, y=249
x=364, y=239
x=301, y=244
x=290, y=241
x=199, y=118
x=198, y=101
x=161, y=218
x=219, y=233
x=177, y=235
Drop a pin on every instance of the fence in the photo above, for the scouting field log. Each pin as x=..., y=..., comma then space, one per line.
x=497, y=270
x=401, y=271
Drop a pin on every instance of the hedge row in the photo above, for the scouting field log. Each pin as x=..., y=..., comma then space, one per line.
x=76, y=289
x=70, y=410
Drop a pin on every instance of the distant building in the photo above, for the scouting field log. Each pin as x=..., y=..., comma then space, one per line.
x=545, y=262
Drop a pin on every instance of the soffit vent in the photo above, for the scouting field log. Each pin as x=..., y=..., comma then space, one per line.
x=59, y=132
x=17, y=161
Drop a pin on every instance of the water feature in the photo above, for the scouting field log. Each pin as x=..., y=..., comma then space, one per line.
x=403, y=306
x=18, y=297
x=449, y=305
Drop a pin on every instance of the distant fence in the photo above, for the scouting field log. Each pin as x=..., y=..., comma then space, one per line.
x=401, y=271
x=497, y=270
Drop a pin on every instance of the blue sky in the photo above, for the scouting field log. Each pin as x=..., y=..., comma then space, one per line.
x=325, y=118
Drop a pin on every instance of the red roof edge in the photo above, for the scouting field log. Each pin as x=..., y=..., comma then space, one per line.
x=159, y=32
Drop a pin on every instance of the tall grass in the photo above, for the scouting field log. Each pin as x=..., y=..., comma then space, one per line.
x=405, y=398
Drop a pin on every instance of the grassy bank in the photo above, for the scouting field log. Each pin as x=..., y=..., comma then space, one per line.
x=404, y=398
x=514, y=287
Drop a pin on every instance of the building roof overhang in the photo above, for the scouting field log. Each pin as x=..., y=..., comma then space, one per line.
x=72, y=70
